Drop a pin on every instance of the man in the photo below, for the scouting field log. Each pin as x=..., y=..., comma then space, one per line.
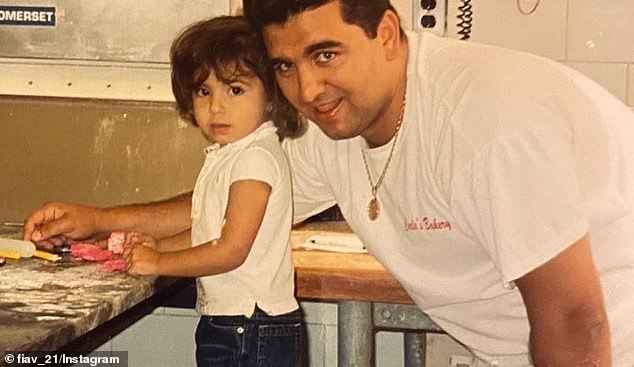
x=495, y=185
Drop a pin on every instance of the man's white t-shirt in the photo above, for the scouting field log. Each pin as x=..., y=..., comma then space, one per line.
x=266, y=278
x=504, y=159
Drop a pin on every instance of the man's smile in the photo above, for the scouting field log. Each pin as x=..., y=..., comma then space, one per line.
x=328, y=110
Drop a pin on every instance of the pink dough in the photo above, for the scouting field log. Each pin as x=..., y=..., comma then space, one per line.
x=115, y=242
x=114, y=265
x=90, y=252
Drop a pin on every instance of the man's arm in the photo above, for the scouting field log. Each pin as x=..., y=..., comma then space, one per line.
x=564, y=303
x=55, y=223
x=158, y=219
x=176, y=242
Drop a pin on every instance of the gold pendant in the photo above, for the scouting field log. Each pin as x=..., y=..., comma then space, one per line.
x=373, y=209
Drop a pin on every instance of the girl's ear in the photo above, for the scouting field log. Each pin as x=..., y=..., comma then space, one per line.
x=388, y=31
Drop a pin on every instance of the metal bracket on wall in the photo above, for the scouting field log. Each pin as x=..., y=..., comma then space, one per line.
x=393, y=316
x=95, y=80
x=413, y=322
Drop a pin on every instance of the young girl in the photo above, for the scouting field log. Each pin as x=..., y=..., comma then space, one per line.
x=238, y=247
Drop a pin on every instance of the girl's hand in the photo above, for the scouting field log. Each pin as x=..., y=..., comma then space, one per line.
x=141, y=260
x=136, y=238
x=140, y=255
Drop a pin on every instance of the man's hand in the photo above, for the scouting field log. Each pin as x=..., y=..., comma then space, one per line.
x=55, y=224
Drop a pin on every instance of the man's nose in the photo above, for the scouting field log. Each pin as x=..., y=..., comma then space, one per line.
x=311, y=85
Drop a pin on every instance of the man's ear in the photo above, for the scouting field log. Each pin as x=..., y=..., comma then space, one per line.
x=388, y=32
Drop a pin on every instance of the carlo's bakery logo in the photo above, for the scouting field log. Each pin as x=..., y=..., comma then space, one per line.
x=427, y=224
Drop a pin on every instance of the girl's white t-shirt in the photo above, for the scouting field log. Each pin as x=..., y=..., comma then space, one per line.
x=266, y=278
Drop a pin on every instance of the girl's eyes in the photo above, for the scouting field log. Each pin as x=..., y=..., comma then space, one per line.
x=235, y=91
x=201, y=92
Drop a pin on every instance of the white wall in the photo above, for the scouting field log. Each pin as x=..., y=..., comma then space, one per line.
x=590, y=36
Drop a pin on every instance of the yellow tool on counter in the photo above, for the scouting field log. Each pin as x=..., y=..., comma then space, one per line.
x=46, y=255
x=24, y=249
x=10, y=254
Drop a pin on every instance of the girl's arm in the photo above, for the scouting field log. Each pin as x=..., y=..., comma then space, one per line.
x=244, y=214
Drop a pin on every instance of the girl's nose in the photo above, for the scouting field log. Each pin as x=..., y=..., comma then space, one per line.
x=215, y=105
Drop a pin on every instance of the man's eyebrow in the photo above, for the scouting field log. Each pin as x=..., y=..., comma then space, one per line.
x=320, y=46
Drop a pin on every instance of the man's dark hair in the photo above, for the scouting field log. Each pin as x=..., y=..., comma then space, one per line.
x=365, y=13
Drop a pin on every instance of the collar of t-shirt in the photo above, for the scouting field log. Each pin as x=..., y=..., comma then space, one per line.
x=266, y=129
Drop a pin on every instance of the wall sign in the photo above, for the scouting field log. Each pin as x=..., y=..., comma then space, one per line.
x=93, y=49
x=27, y=15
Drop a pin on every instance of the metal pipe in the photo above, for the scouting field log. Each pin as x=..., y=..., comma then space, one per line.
x=355, y=334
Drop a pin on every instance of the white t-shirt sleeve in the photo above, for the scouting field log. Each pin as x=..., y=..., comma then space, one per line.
x=519, y=197
x=311, y=190
x=256, y=163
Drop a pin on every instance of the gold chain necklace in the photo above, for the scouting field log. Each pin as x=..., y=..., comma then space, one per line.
x=373, y=206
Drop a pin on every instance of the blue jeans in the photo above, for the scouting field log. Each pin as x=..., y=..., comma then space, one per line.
x=257, y=341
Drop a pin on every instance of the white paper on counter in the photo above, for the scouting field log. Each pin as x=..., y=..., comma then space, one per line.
x=335, y=242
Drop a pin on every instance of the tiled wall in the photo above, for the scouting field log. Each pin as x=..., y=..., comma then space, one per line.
x=596, y=38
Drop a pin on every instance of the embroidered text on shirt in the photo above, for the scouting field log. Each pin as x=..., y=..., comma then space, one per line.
x=427, y=224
